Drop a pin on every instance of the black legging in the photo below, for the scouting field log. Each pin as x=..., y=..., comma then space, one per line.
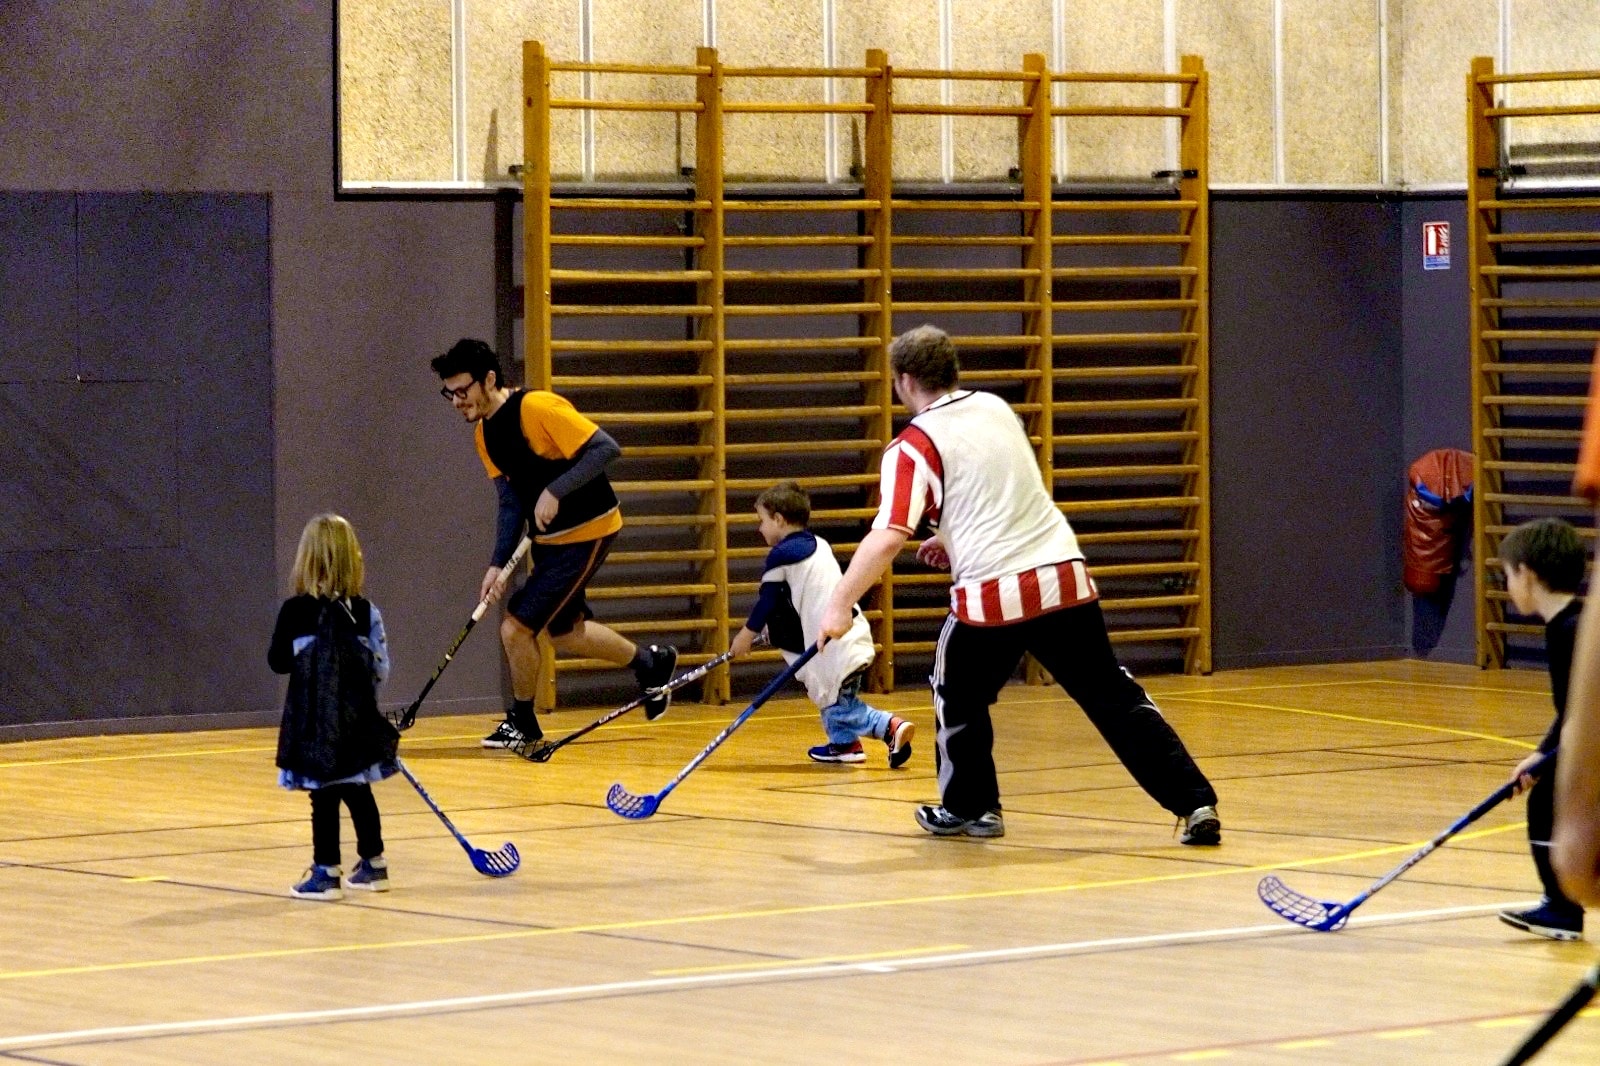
x=1541, y=821
x=325, y=822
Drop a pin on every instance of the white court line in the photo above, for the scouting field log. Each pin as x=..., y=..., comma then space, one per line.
x=662, y=984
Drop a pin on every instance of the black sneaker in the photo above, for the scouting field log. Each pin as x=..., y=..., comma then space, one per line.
x=898, y=737
x=505, y=735
x=941, y=823
x=660, y=662
x=1202, y=827
x=1547, y=920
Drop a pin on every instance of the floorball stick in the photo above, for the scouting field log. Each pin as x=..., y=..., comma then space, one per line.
x=1576, y=1000
x=541, y=750
x=628, y=805
x=1326, y=915
x=489, y=863
x=408, y=717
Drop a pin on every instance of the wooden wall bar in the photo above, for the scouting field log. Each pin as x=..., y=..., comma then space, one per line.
x=731, y=334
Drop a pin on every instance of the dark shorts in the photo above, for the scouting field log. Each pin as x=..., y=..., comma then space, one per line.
x=553, y=597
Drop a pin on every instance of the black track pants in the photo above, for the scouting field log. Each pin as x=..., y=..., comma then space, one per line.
x=973, y=662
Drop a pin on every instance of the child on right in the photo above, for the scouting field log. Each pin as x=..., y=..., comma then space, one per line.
x=1543, y=562
x=796, y=582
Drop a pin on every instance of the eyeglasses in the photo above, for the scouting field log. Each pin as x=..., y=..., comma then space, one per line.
x=457, y=394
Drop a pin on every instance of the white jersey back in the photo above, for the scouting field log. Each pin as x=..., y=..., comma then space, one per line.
x=965, y=465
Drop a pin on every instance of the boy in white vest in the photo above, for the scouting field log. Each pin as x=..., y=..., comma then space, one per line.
x=796, y=582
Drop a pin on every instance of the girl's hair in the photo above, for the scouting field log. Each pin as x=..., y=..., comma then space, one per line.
x=328, y=563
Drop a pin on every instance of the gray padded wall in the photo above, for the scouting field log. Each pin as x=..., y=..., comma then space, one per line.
x=1306, y=346
x=135, y=432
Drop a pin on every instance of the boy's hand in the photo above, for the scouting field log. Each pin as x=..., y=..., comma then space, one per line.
x=932, y=553
x=836, y=621
x=1521, y=779
x=742, y=642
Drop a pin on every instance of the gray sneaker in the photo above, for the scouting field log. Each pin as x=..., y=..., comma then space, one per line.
x=1202, y=827
x=941, y=823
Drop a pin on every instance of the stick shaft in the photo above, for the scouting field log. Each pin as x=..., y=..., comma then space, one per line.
x=676, y=683
x=1576, y=1000
x=762, y=697
x=517, y=556
x=445, y=818
x=1494, y=799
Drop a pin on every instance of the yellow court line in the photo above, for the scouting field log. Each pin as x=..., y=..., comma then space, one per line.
x=1464, y=688
x=727, y=916
x=1299, y=1045
x=144, y=879
x=1360, y=718
x=1153, y=684
x=903, y=953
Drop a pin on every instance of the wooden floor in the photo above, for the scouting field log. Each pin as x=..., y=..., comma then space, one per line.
x=776, y=911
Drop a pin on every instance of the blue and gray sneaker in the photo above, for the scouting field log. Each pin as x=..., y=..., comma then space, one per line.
x=941, y=823
x=319, y=882
x=1549, y=920
x=370, y=875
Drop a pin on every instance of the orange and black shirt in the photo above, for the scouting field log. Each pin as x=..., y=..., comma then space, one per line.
x=531, y=441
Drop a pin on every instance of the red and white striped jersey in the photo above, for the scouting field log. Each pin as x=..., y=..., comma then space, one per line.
x=965, y=466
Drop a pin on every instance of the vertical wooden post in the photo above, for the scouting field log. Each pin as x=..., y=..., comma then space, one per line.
x=536, y=364
x=710, y=222
x=1483, y=159
x=1037, y=167
x=1193, y=138
x=878, y=187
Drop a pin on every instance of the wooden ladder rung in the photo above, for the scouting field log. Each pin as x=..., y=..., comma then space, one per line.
x=1574, y=203
x=1144, y=603
x=653, y=626
x=996, y=340
x=961, y=241
x=963, y=274
x=1128, y=470
x=657, y=486
x=1173, y=337
x=1090, y=239
x=1126, y=272
x=1517, y=433
x=816, y=481
x=936, y=204
x=1125, y=305
x=642, y=591
x=1119, y=111
x=788, y=107
x=666, y=521
x=797, y=240
x=777, y=414
x=1541, y=334
x=1138, y=536
x=1529, y=467
x=773, y=344
x=1165, y=436
x=1138, y=503
x=1536, y=401
x=629, y=381
x=617, y=277
x=1135, y=636
x=666, y=451
x=1094, y=206
x=653, y=418
x=844, y=308
x=681, y=555
x=1529, y=499
x=852, y=274
x=1176, y=566
x=593, y=203
x=1074, y=407
x=1541, y=111
x=788, y=447
x=1540, y=273
x=1533, y=303
x=1024, y=374
x=802, y=378
x=954, y=306
x=769, y=206
x=1554, y=237
x=1175, y=370
x=1581, y=369
x=631, y=240
x=685, y=345
x=662, y=310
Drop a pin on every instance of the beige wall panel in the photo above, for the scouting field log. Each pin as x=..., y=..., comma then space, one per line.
x=1113, y=38
x=1438, y=39
x=1235, y=38
x=769, y=33
x=495, y=33
x=909, y=31
x=1330, y=92
x=992, y=35
x=394, y=90
x=1555, y=35
x=645, y=146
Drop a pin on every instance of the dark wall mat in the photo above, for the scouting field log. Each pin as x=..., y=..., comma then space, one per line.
x=38, y=330
x=1306, y=345
x=138, y=552
x=88, y=466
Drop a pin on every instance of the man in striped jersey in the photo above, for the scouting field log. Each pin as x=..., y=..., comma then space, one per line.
x=965, y=467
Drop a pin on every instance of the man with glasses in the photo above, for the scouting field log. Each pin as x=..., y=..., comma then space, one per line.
x=548, y=465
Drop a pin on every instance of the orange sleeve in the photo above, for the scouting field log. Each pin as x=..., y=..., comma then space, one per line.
x=483, y=452
x=1586, y=482
x=553, y=427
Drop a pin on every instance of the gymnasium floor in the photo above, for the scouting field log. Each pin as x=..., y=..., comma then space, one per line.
x=776, y=911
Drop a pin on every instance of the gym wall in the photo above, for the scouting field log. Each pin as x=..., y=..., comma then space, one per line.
x=211, y=127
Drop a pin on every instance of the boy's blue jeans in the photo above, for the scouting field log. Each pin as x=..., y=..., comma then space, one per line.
x=849, y=718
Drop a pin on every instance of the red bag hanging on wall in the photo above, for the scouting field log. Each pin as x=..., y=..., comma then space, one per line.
x=1438, y=511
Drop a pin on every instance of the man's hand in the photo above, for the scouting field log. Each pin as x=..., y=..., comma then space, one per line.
x=544, y=511
x=492, y=586
x=1521, y=779
x=932, y=553
x=836, y=621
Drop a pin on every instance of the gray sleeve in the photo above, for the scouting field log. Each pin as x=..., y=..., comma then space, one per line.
x=597, y=453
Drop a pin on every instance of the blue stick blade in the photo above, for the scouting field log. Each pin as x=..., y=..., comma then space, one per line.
x=625, y=803
x=500, y=863
x=1298, y=908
